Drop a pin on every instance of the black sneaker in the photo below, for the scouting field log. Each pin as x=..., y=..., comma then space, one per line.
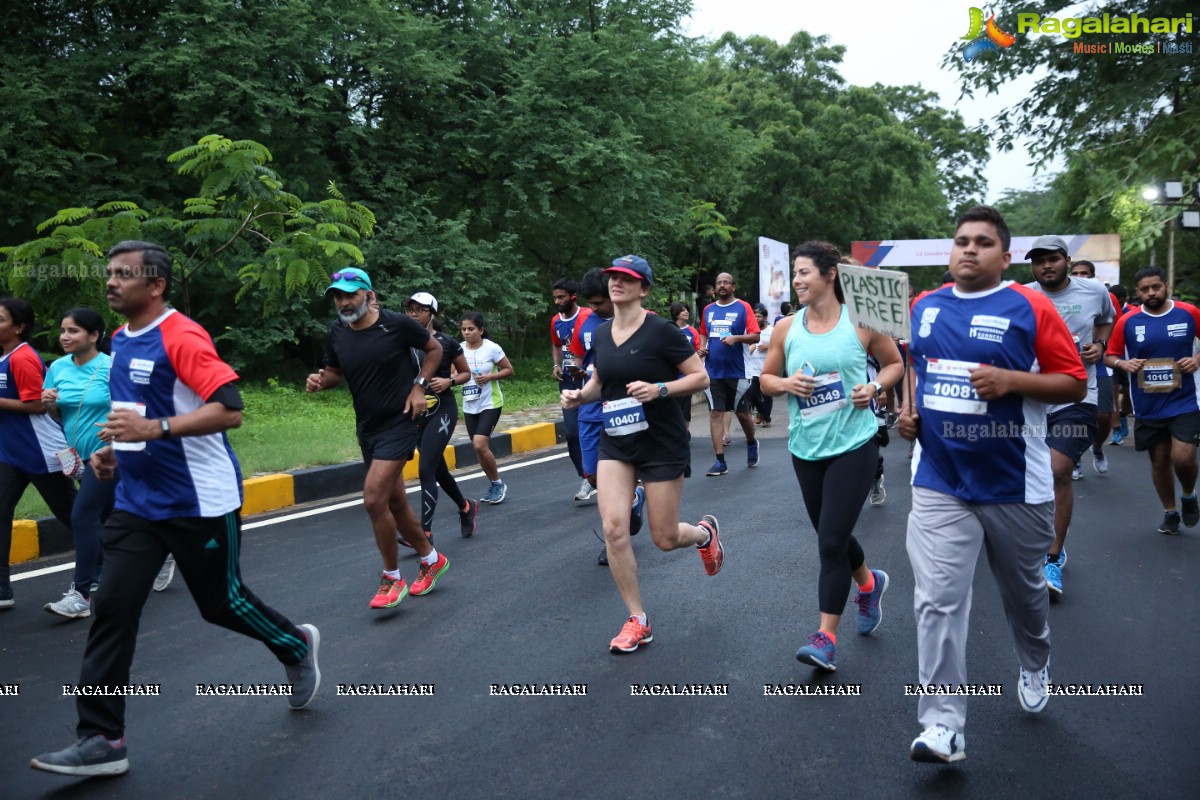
x=6, y=595
x=305, y=677
x=94, y=755
x=1190, y=506
x=1170, y=523
x=466, y=519
x=603, y=559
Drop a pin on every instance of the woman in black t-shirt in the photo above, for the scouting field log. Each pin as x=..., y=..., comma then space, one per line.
x=641, y=360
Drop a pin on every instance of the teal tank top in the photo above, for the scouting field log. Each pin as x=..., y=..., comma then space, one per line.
x=827, y=424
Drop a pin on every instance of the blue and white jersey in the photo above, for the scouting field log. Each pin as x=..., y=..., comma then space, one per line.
x=166, y=369
x=717, y=322
x=976, y=450
x=583, y=348
x=1159, y=390
x=28, y=442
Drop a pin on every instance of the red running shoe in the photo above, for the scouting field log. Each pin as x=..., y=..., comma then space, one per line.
x=390, y=592
x=713, y=555
x=633, y=634
x=429, y=574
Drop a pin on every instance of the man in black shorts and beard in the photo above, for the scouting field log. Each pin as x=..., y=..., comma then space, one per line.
x=371, y=350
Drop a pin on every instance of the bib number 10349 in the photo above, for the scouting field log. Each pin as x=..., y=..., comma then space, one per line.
x=829, y=395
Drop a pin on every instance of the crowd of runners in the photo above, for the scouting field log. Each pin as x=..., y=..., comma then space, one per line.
x=1002, y=389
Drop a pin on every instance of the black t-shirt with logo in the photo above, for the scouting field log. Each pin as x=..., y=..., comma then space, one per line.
x=379, y=367
x=652, y=354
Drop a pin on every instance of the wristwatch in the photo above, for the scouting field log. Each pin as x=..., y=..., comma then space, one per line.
x=165, y=424
x=662, y=390
x=878, y=387
x=422, y=382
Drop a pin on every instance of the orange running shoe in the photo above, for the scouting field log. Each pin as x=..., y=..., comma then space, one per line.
x=390, y=593
x=429, y=575
x=633, y=634
x=713, y=554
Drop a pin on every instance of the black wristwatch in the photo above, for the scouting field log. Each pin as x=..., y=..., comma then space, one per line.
x=422, y=382
x=663, y=391
x=165, y=424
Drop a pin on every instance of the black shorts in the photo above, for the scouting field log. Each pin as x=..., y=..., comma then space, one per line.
x=1070, y=430
x=1104, y=394
x=483, y=423
x=1149, y=432
x=392, y=444
x=725, y=394
x=655, y=473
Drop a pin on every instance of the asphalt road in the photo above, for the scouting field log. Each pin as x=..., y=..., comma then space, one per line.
x=525, y=603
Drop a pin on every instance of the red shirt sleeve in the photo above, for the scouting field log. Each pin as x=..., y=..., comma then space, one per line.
x=695, y=338
x=194, y=357
x=751, y=320
x=1116, y=306
x=554, y=340
x=1195, y=312
x=1116, y=340
x=29, y=373
x=703, y=329
x=1052, y=345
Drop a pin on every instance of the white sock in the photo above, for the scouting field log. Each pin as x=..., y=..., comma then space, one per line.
x=430, y=559
x=394, y=574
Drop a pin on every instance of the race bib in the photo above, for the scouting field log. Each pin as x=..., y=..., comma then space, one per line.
x=140, y=408
x=471, y=390
x=720, y=328
x=829, y=395
x=1160, y=376
x=948, y=388
x=623, y=417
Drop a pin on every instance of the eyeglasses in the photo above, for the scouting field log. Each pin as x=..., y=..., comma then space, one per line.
x=413, y=311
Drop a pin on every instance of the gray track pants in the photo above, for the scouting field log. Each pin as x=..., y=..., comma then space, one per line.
x=944, y=537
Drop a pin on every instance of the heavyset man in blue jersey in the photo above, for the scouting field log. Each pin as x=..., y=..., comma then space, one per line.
x=1156, y=346
x=989, y=356
x=180, y=493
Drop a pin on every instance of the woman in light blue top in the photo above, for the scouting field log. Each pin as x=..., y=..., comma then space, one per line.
x=819, y=359
x=76, y=393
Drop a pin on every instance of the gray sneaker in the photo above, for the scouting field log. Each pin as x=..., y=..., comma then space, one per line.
x=1033, y=688
x=305, y=677
x=165, y=574
x=496, y=493
x=73, y=605
x=878, y=493
x=91, y=756
x=586, y=491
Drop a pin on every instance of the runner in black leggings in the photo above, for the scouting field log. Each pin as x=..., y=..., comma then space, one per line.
x=439, y=421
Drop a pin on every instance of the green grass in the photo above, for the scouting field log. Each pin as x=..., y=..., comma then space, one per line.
x=285, y=428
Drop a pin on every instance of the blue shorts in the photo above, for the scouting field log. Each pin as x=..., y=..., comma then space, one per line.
x=589, y=444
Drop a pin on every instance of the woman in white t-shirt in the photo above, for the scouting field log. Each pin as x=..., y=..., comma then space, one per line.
x=483, y=399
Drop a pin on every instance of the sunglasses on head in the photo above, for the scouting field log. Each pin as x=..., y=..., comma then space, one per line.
x=346, y=276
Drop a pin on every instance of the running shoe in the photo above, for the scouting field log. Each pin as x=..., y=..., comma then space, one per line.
x=890, y=419
x=305, y=677
x=1170, y=523
x=1190, y=506
x=766, y=423
x=165, y=574
x=718, y=468
x=632, y=636
x=466, y=519
x=752, y=453
x=1053, y=574
x=428, y=536
x=1033, y=688
x=73, y=605
x=602, y=560
x=938, y=745
x=713, y=553
x=390, y=593
x=428, y=575
x=586, y=491
x=1062, y=558
x=1117, y=438
x=635, y=513
x=1100, y=462
x=6, y=595
x=878, y=493
x=819, y=652
x=1077, y=472
x=726, y=440
x=496, y=493
x=870, y=610
x=94, y=755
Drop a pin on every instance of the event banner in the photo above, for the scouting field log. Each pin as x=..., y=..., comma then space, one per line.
x=774, y=287
x=1102, y=249
x=876, y=299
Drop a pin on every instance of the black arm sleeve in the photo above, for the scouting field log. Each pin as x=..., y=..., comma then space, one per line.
x=228, y=396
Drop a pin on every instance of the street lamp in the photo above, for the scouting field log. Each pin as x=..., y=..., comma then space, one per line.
x=1150, y=194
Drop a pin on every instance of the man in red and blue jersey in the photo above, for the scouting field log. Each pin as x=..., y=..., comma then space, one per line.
x=726, y=325
x=1156, y=347
x=563, y=325
x=180, y=493
x=988, y=357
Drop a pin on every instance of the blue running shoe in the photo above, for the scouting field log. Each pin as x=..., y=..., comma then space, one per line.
x=752, y=453
x=496, y=493
x=718, y=468
x=1053, y=577
x=635, y=514
x=1062, y=558
x=818, y=652
x=870, y=612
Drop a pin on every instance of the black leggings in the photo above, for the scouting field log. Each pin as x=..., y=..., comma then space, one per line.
x=436, y=431
x=55, y=488
x=834, y=490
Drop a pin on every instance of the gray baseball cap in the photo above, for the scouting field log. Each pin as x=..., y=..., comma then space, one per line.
x=1047, y=243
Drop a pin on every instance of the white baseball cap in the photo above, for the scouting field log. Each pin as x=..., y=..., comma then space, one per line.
x=423, y=299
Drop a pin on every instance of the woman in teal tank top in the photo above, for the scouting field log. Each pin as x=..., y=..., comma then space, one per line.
x=819, y=359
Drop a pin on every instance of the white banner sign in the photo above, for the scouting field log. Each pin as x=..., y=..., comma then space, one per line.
x=877, y=299
x=774, y=287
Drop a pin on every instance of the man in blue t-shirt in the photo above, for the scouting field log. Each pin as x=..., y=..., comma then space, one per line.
x=567, y=318
x=726, y=325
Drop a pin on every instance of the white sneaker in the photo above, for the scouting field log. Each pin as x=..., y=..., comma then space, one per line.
x=1100, y=462
x=73, y=605
x=586, y=491
x=165, y=574
x=1077, y=473
x=1033, y=688
x=938, y=745
x=878, y=493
